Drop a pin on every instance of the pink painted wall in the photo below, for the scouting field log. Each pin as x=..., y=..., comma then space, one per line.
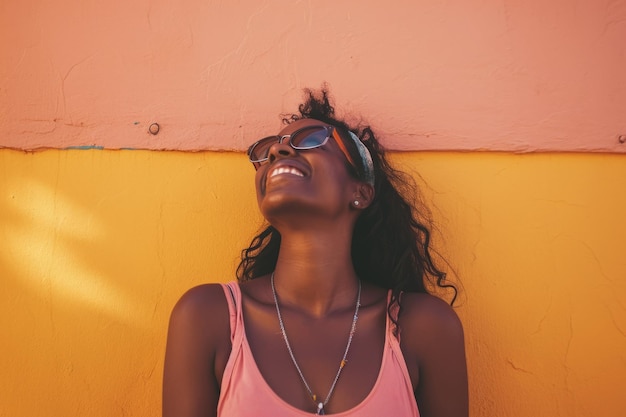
x=431, y=75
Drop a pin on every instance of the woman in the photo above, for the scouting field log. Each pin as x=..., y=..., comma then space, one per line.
x=332, y=313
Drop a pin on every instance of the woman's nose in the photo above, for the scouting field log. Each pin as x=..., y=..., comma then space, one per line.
x=280, y=150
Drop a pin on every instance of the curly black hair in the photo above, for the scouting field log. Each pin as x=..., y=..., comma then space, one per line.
x=391, y=240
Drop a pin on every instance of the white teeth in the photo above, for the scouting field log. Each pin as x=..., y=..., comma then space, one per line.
x=287, y=170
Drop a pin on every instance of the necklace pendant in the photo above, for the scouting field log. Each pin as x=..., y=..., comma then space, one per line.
x=320, y=409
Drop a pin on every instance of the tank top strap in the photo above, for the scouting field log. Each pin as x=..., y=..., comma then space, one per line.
x=233, y=299
x=394, y=311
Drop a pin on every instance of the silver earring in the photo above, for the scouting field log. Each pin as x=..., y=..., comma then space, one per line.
x=356, y=203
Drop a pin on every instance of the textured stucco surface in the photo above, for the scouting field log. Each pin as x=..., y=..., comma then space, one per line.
x=96, y=246
x=434, y=75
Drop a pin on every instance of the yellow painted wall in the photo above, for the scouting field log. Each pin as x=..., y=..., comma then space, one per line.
x=96, y=246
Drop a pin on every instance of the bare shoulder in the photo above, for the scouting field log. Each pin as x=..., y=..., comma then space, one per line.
x=203, y=297
x=432, y=342
x=428, y=312
x=427, y=322
x=198, y=345
x=203, y=307
x=200, y=320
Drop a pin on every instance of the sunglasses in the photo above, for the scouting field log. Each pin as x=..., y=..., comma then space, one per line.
x=309, y=137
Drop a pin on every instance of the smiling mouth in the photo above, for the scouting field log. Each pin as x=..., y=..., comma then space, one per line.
x=286, y=170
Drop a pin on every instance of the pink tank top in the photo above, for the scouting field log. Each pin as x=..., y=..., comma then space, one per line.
x=244, y=392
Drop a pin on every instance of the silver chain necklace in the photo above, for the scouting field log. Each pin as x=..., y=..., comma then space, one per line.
x=320, y=405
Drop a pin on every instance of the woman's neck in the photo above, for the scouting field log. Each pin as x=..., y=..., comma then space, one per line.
x=314, y=271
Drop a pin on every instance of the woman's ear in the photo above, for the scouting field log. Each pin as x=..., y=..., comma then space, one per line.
x=363, y=195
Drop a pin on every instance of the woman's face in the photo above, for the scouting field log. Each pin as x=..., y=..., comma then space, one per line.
x=307, y=185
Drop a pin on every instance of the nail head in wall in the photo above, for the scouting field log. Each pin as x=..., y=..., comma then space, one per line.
x=154, y=128
x=621, y=138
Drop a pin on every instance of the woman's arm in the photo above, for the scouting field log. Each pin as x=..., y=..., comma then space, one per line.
x=433, y=345
x=198, y=343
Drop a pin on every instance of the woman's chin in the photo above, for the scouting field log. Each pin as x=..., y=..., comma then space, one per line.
x=279, y=204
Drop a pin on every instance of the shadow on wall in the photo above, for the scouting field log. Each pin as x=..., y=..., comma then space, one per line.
x=95, y=250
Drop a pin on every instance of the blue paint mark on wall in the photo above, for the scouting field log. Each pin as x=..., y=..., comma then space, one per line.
x=85, y=147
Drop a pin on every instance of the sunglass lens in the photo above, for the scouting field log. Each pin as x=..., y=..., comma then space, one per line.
x=309, y=138
x=260, y=150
